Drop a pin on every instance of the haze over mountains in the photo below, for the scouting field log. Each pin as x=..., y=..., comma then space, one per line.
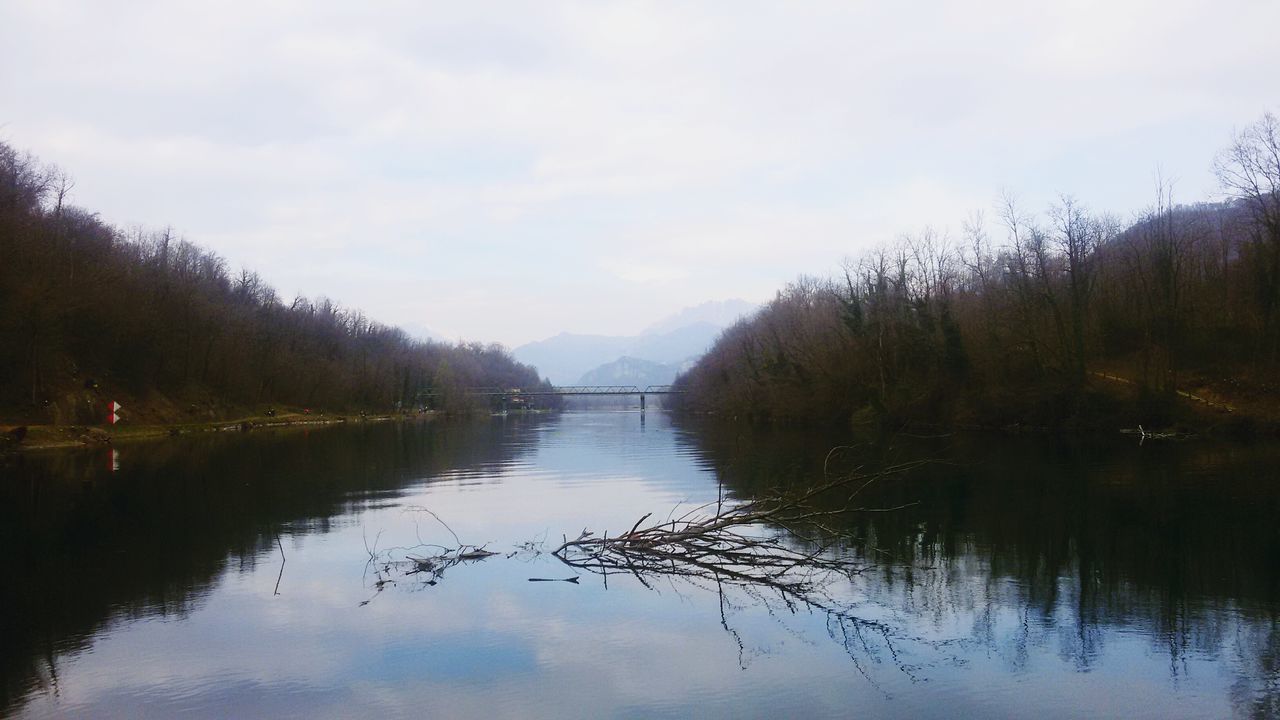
x=419, y=331
x=651, y=358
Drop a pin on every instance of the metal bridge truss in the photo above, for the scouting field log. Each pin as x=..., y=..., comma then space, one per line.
x=576, y=390
x=567, y=390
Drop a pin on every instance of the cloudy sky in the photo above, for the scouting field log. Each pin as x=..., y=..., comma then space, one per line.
x=506, y=171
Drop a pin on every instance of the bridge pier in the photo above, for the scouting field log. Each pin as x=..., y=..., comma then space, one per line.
x=641, y=402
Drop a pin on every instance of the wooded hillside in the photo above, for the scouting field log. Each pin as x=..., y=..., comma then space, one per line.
x=1069, y=316
x=90, y=312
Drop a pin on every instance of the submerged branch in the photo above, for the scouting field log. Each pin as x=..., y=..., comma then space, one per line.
x=733, y=543
x=777, y=552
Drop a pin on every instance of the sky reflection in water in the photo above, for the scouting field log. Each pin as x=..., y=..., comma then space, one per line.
x=1031, y=580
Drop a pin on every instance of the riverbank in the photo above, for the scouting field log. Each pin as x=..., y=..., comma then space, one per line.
x=14, y=438
x=1109, y=404
x=48, y=437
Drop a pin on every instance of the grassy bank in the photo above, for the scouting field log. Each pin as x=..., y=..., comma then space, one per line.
x=43, y=437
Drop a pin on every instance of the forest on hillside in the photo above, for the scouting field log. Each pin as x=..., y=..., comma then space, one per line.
x=1066, y=317
x=89, y=311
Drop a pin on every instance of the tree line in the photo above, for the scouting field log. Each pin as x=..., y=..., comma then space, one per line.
x=88, y=310
x=1028, y=318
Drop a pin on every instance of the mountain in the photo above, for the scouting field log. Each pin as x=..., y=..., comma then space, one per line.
x=676, y=346
x=567, y=357
x=720, y=313
x=564, y=358
x=674, y=341
x=418, y=331
x=631, y=371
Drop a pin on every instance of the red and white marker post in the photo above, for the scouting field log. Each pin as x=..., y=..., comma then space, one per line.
x=114, y=418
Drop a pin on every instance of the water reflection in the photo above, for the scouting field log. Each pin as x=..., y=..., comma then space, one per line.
x=1033, y=546
x=90, y=546
x=1031, y=577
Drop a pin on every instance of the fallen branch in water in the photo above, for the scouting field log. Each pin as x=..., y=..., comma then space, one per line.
x=428, y=560
x=782, y=541
x=778, y=553
x=1144, y=434
x=435, y=564
x=744, y=544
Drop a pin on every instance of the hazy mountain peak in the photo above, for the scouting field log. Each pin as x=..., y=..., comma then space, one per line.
x=419, y=331
x=720, y=313
x=667, y=344
x=628, y=370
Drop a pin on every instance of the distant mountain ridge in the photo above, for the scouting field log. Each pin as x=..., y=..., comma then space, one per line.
x=418, y=331
x=674, y=341
x=631, y=371
x=565, y=358
x=720, y=313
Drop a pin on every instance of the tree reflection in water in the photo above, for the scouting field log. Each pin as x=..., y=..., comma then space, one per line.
x=1020, y=552
x=778, y=555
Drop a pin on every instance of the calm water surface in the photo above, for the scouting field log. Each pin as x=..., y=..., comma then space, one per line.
x=1031, y=578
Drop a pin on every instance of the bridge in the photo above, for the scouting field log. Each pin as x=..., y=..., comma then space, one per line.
x=505, y=395
x=567, y=390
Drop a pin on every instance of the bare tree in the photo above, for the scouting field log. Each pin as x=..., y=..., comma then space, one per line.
x=1077, y=238
x=1249, y=170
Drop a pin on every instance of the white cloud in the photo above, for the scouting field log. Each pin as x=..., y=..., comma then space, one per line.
x=559, y=149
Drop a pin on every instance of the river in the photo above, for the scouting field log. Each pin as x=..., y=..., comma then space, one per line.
x=254, y=575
